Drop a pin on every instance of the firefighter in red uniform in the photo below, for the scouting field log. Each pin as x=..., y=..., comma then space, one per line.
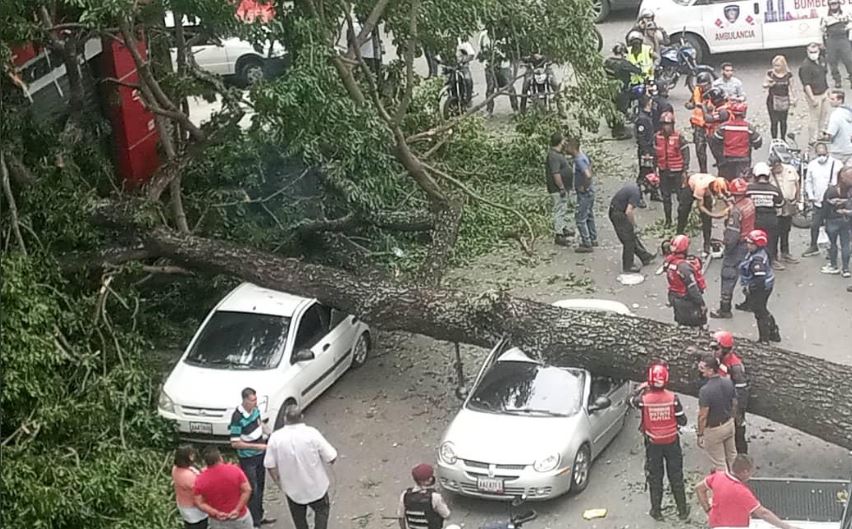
x=662, y=413
x=731, y=365
x=734, y=141
x=739, y=224
x=672, y=154
x=686, y=284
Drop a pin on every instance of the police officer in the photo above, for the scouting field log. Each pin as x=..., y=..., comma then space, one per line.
x=758, y=279
x=618, y=68
x=767, y=198
x=645, y=146
x=734, y=141
x=739, y=224
x=672, y=155
x=662, y=413
x=686, y=284
x=732, y=366
x=697, y=104
x=420, y=506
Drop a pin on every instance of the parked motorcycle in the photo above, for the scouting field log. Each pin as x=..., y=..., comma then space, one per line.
x=537, y=83
x=457, y=93
x=791, y=154
x=679, y=60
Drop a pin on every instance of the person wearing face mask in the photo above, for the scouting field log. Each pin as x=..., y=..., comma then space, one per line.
x=835, y=30
x=838, y=131
x=812, y=75
x=822, y=172
x=781, y=95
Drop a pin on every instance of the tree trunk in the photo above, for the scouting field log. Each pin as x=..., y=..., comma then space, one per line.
x=447, y=221
x=806, y=393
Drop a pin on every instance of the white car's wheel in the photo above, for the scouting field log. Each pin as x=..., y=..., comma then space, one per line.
x=581, y=469
x=251, y=71
x=361, y=350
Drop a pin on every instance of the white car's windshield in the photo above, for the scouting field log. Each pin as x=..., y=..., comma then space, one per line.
x=240, y=340
x=528, y=388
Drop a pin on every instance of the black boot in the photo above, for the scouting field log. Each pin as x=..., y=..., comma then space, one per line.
x=656, y=511
x=724, y=311
x=744, y=306
x=680, y=500
x=774, y=331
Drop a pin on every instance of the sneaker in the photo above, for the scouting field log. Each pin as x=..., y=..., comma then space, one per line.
x=595, y=244
x=561, y=240
x=583, y=248
x=721, y=315
x=811, y=251
x=743, y=307
x=789, y=259
x=656, y=514
x=776, y=265
x=828, y=269
x=846, y=274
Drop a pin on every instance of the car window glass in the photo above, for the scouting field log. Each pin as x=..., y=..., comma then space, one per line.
x=337, y=316
x=529, y=388
x=240, y=340
x=312, y=327
x=601, y=386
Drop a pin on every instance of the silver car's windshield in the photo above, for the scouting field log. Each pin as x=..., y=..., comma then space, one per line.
x=528, y=388
x=240, y=340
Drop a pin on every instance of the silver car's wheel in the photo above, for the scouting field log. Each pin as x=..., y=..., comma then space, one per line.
x=360, y=351
x=580, y=472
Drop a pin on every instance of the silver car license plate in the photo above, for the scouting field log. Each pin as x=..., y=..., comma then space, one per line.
x=492, y=485
x=200, y=427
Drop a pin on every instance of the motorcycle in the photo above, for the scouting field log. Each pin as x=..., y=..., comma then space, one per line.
x=679, y=60
x=458, y=88
x=791, y=154
x=537, y=86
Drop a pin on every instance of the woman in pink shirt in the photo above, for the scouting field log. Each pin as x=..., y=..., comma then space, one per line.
x=183, y=475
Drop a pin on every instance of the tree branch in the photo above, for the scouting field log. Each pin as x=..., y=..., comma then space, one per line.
x=409, y=64
x=13, y=208
x=368, y=27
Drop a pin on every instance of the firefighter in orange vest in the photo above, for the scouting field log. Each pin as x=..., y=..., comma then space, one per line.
x=731, y=365
x=703, y=82
x=662, y=414
x=686, y=284
x=672, y=154
x=734, y=141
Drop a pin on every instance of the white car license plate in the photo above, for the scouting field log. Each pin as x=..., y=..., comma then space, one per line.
x=200, y=427
x=490, y=485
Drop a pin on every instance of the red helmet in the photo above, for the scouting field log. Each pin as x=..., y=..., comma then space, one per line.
x=724, y=339
x=658, y=375
x=738, y=186
x=738, y=109
x=667, y=117
x=680, y=244
x=652, y=179
x=758, y=238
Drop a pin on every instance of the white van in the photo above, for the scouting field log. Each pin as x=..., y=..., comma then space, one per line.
x=719, y=26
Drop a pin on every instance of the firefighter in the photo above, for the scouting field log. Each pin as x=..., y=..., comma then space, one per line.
x=421, y=506
x=703, y=190
x=672, y=155
x=758, y=278
x=696, y=104
x=734, y=141
x=662, y=413
x=739, y=224
x=732, y=366
x=686, y=284
x=645, y=148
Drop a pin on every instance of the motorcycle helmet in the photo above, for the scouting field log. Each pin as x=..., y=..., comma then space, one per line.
x=757, y=238
x=667, y=117
x=738, y=186
x=719, y=186
x=635, y=36
x=715, y=95
x=704, y=78
x=619, y=49
x=658, y=375
x=680, y=244
x=761, y=169
x=723, y=339
x=646, y=13
x=652, y=179
x=779, y=153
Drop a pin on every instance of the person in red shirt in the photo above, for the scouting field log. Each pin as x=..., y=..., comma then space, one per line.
x=733, y=502
x=223, y=491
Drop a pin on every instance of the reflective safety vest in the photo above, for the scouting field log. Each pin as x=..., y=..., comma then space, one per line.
x=419, y=513
x=645, y=63
x=697, y=117
x=745, y=207
x=737, y=139
x=669, y=156
x=658, y=416
x=711, y=127
x=675, y=281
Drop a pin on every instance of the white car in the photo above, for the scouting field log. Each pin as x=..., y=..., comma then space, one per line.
x=288, y=348
x=529, y=429
x=232, y=57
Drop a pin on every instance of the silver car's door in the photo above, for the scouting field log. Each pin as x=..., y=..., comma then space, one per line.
x=598, y=419
x=489, y=360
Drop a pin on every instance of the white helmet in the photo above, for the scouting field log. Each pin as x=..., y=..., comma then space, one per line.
x=634, y=35
x=761, y=169
x=646, y=13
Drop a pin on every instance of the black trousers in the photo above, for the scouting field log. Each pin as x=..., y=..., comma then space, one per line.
x=731, y=273
x=740, y=435
x=631, y=244
x=818, y=220
x=733, y=170
x=663, y=460
x=769, y=224
x=256, y=474
x=785, y=224
x=669, y=185
x=299, y=512
x=699, y=138
x=684, y=207
x=197, y=525
x=688, y=312
x=838, y=50
x=767, y=329
x=778, y=123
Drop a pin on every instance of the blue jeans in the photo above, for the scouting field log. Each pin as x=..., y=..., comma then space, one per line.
x=585, y=217
x=838, y=229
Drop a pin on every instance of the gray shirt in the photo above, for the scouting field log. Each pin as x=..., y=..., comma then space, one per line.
x=732, y=87
x=718, y=394
x=839, y=130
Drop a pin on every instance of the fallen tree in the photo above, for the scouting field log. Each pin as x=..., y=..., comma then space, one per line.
x=803, y=392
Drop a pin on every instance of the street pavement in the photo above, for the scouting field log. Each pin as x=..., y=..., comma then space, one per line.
x=389, y=415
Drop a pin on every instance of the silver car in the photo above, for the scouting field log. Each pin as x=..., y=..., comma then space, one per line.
x=530, y=429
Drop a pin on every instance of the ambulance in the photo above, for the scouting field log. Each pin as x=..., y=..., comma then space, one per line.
x=714, y=26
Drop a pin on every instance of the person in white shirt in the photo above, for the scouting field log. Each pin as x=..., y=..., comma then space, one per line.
x=729, y=84
x=296, y=456
x=420, y=506
x=822, y=172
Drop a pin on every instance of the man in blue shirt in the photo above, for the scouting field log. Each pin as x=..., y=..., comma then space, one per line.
x=585, y=214
x=248, y=440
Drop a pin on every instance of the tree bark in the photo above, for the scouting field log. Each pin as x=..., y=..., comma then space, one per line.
x=447, y=221
x=806, y=393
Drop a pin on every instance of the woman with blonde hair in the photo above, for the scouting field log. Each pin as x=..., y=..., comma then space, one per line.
x=781, y=95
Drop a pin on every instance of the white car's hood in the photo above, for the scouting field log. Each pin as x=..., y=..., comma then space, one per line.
x=509, y=439
x=189, y=385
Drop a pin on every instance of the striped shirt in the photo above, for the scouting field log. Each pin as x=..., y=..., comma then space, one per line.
x=246, y=427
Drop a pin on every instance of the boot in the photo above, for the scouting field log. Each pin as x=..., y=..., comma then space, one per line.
x=656, y=501
x=680, y=500
x=724, y=311
x=774, y=331
x=744, y=306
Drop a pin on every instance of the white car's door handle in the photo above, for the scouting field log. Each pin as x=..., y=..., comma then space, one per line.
x=326, y=346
